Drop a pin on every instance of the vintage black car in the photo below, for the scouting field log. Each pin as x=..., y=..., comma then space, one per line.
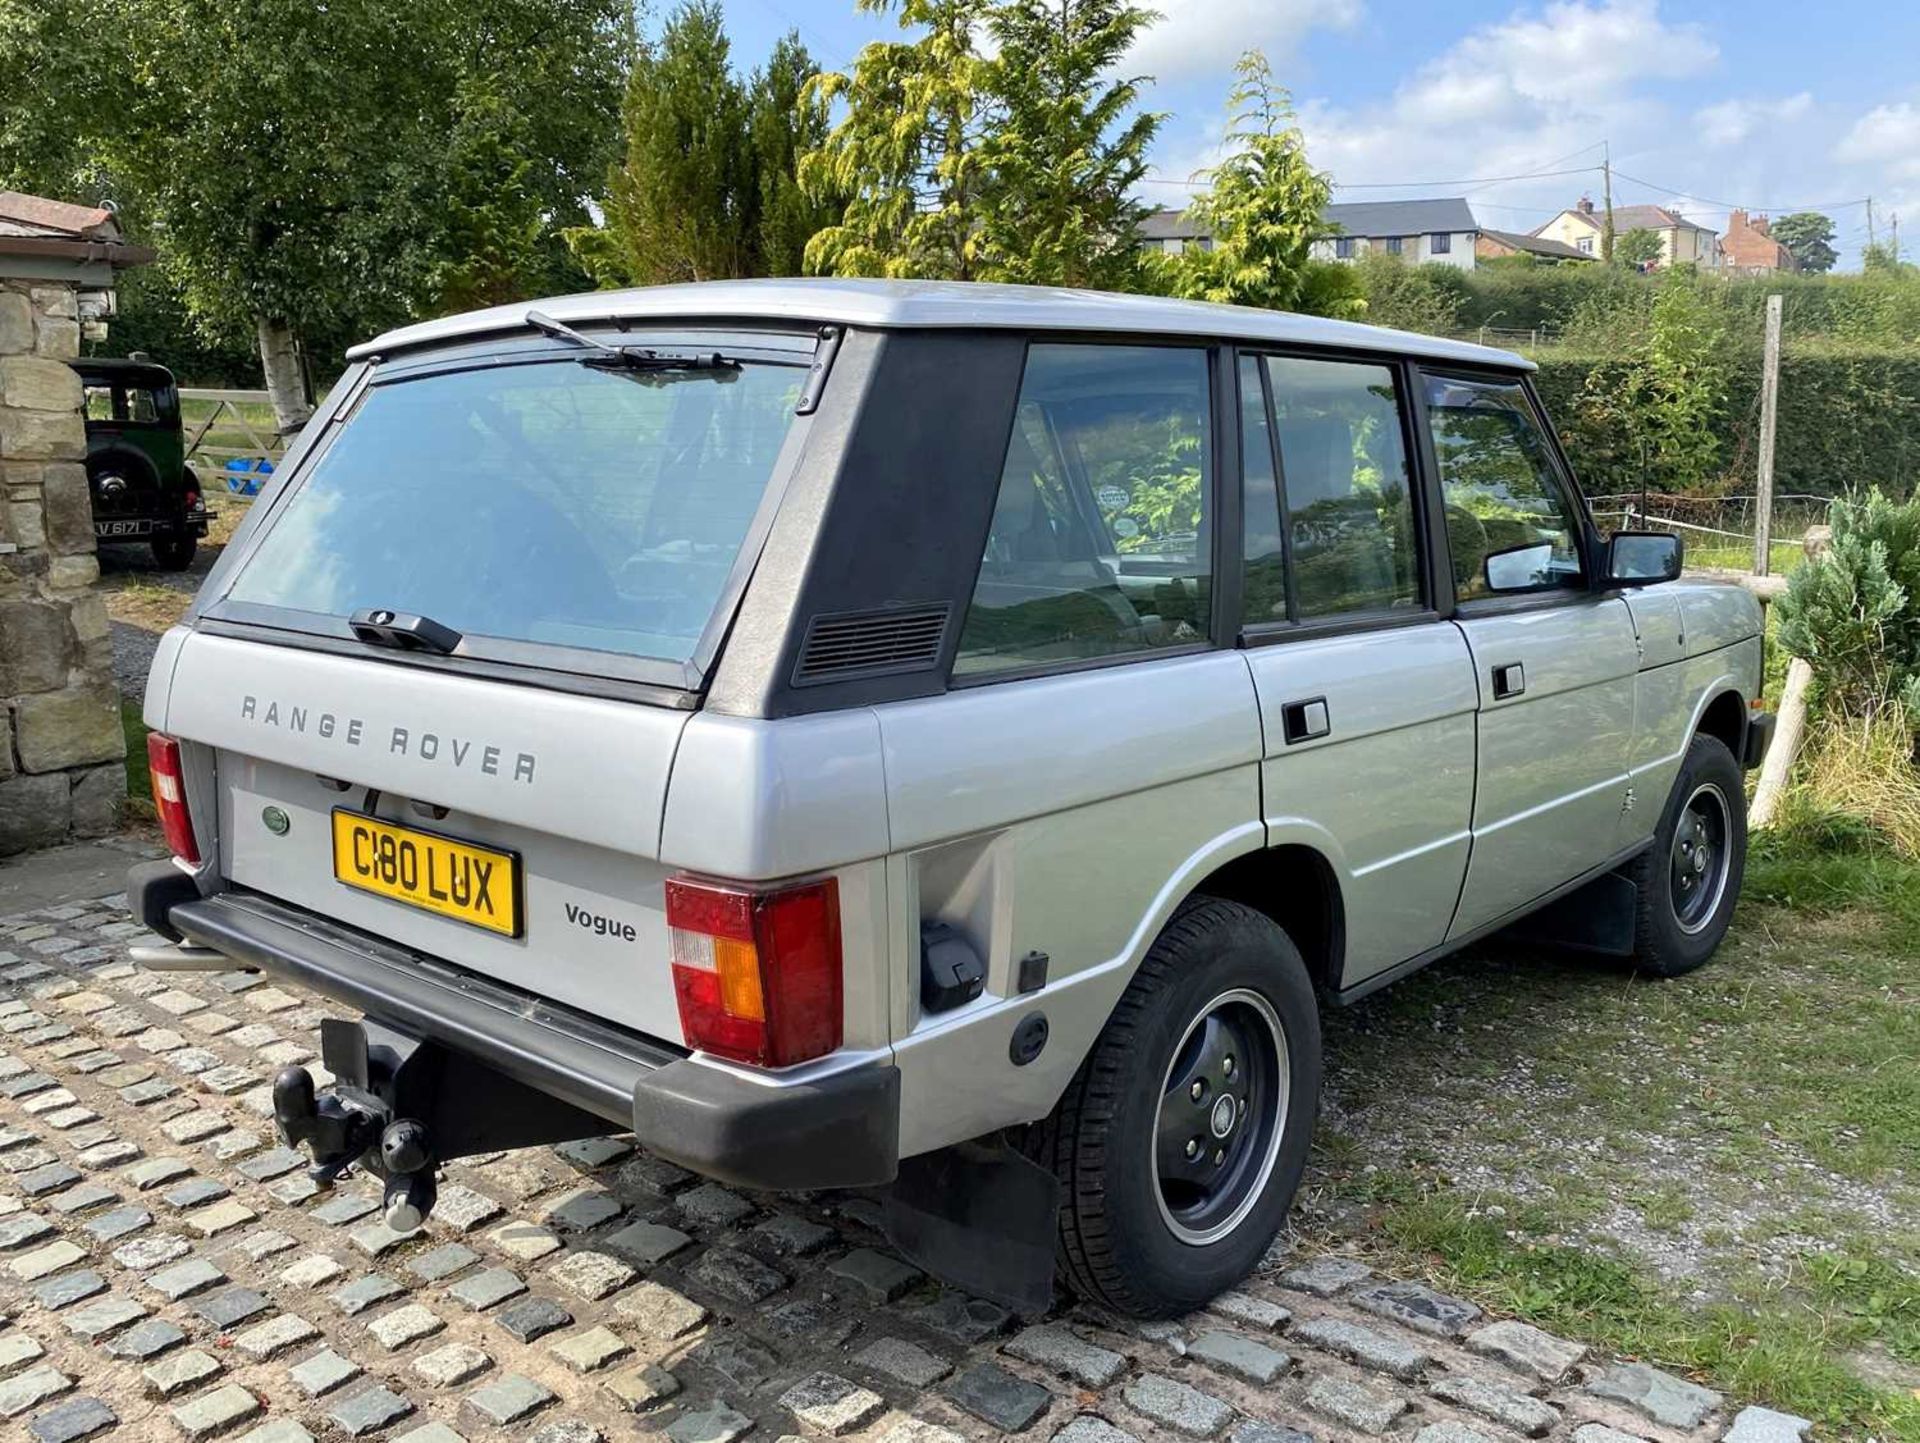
x=143, y=489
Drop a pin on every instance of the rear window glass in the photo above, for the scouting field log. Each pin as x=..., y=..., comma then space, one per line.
x=552, y=503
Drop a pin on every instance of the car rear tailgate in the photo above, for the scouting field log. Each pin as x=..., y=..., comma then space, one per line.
x=572, y=787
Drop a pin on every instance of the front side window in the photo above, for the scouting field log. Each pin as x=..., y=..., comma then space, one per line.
x=1349, y=499
x=1100, y=543
x=554, y=503
x=100, y=403
x=1509, y=524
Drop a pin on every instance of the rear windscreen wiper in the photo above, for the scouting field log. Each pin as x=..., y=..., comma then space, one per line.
x=629, y=358
x=403, y=631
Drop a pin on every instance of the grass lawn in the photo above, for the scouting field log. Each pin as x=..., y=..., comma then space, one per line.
x=1717, y=1174
x=1723, y=554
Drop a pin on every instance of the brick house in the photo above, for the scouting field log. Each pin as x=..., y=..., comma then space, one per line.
x=1750, y=247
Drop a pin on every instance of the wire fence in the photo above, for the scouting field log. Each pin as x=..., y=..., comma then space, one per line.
x=1719, y=530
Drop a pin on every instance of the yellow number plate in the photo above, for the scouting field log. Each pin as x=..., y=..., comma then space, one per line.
x=476, y=885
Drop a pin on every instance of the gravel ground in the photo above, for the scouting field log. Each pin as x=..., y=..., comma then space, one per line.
x=142, y=602
x=167, y=1271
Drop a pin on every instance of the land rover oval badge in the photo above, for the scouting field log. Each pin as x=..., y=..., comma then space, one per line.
x=276, y=820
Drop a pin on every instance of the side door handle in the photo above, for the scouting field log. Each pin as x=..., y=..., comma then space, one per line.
x=1305, y=721
x=1509, y=680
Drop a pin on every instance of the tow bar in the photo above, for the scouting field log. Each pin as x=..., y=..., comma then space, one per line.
x=400, y=1105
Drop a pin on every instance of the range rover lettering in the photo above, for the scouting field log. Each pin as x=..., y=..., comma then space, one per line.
x=946, y=740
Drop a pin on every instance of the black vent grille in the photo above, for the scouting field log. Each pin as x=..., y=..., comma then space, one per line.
x=872, y=643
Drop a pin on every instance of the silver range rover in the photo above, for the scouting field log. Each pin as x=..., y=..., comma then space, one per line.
x=948, y=740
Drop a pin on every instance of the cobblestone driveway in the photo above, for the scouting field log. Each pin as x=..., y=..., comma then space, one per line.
x=167, y=1271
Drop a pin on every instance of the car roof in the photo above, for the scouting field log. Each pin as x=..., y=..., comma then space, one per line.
x=150, y=373
x=946, y=305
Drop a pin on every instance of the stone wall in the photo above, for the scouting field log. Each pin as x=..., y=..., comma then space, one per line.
x=62, y=773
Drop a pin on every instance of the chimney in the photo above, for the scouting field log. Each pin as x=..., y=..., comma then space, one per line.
x=1760, y=224
x=1736, y=220
x=1586, y=205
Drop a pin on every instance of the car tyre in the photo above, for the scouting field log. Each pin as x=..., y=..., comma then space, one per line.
x=1689, y=879
x=174, y=553
x=1221, y=979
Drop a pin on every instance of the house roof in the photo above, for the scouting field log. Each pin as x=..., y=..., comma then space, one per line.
x=1538, y=245
x=942, y=305
x=1635, y=217
x=34, y=215
x=1168, y=224
x=1366, y=218
x=32, y=225
x=1401, y=217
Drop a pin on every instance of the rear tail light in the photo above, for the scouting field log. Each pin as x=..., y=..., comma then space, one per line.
x=757, y=973
x=170, y=796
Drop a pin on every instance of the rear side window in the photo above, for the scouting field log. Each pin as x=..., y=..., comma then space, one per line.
x=1342, y=502
x=1343, y=465
x=1502, y=496
x=1100, y=543
x=552, y=503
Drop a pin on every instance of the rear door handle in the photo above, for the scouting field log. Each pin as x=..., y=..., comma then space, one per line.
x=1305, y=721
x=1509, y=680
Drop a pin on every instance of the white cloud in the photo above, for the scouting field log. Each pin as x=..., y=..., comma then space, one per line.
x=1729, y=122
x=1574, y=52
x=1515, y=95
x=1205, y=37
x=1887, y=135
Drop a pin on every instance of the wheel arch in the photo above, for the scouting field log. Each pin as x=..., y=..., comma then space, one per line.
x=1724, y=717
x=1297, y=886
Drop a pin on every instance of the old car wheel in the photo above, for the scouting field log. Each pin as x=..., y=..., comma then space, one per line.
x=1690, y=878
x=1182, y=1138
x=174, y=553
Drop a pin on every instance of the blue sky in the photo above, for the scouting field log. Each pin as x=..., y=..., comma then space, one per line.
x=1706, y=105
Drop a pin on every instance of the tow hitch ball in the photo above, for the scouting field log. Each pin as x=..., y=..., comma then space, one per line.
x=348, y=1125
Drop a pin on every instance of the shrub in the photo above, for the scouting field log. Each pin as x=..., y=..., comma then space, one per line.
x=1855, y=617
x=1425, y=298
x=1849, y=417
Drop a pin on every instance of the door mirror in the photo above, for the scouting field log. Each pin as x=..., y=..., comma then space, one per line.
x=1521, y=568
x=1641, y=558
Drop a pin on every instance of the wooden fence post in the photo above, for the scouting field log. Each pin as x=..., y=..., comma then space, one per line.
x=1769, y=417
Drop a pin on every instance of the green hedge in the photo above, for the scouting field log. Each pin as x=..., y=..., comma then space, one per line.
x=1849, y=418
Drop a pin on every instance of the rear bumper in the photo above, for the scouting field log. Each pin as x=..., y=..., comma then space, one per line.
x=836, y=1130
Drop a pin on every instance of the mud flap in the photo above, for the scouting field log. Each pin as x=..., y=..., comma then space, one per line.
x=980, y=1217
x=1598, y=917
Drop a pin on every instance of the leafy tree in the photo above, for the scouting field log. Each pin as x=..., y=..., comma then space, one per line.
x=1066, y=150
x=785, y=121
x=908, y=154
x=53, y=55
x=306, y=172
x=495, y=225
x=1881, y=257
x=680, y=207
x=1809, y=236
x=1262, y=208
x=1639, y=247
x=1665, y=404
